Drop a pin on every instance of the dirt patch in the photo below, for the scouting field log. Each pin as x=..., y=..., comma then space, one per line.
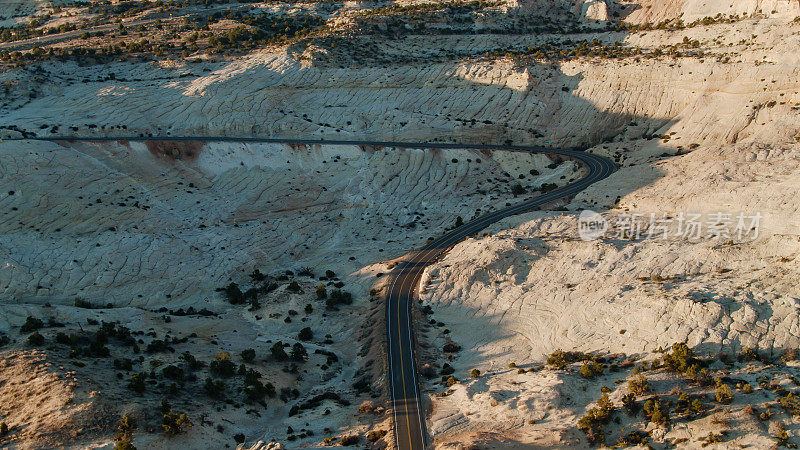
x=175, y=150
x=370, y=149
x=40, y=405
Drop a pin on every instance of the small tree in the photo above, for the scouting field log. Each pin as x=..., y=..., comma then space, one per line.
x=656, y=412
x=278, y=352
x=234, y=294
x=299, y=352
x=474, y=373
x=125, y=428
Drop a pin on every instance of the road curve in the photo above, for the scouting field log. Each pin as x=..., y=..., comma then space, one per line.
x=404, y=279
x=403, y=283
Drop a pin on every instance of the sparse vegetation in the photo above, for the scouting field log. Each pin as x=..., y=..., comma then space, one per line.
x=724, y=394
x=638, y=385
x=174, y=423
x=248, y=355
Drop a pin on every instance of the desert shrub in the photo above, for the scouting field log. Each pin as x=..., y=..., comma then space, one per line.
x=81, y=303
x=337, y=297
x=214, y=389
x=724, y=394
x=559, y=358
x=447, y=369
x=748, y=354
x=233, y=294
x=698, y=375
x=330, y=274
x=376, y=435
x=591, y=370
x=547, y=187
x=656, y=411
x=137, y=382
x=789, y=355
x=157, y=346
x=294, y=286
x=278, y=352
x=172, y=372
x=517, y=189
x=63, y=339
x=349, y=440
x=451, y=347
x=450, y=381
x=124, y=444
x=257, y=276
x=459, y=222
x=634, y=438
x=712, y=438
x=305, y=272
x=222, y=366
x=125, y=428
x=255, y=390
x=790, y=403
x=366, y=407
x=680, y=359
x=35, y=339
x=3, y=429
x=305, y=334
x=781, y=436
x=191, y=361
x=512, y=365
x=592, y=422
x=299, y=352
x=174, y=423
x=309, y=309
x=322, y=293
x=629, y=403
x=248, y=355
x=31, y=324
x=638, y=385
x=605, y=404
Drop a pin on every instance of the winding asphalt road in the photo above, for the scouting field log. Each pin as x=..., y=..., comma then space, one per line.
x=404, y=279
x=403, y=284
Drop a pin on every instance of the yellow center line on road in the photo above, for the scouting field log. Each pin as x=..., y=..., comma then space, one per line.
x=402, y=364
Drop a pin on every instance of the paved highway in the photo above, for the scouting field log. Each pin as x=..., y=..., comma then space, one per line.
x=404, y=279
x=403, y=283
